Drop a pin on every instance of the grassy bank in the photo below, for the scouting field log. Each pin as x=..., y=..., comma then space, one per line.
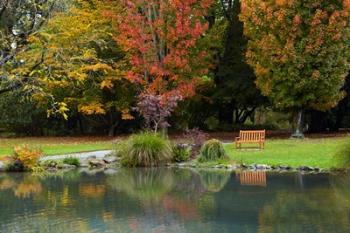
x=309, y=152
x=57, y=145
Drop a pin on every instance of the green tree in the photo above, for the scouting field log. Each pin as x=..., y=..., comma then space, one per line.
x=236, y=92
x=299, y=51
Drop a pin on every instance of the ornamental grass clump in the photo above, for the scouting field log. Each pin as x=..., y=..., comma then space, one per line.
x=212, y=150
x=145, y=150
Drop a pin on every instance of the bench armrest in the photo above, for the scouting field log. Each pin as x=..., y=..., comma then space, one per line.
x=237, y=138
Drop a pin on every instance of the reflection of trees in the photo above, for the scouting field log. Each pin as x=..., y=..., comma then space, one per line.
x=92, y=190
x=315, y=210
x=341, y=187
x=214, y=181
x=23, y=187
x=148, y=184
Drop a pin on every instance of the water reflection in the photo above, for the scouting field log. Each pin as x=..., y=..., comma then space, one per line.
x=257, y=178
x=214, y=180
x=174, y=200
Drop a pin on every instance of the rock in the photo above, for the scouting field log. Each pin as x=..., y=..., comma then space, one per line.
x=110, y=159
x=84, y=163
x=229, y=167
x=110, y=171
x=262, y=167
x=51, y=169
x=2, y=166
x=306, y=168
x=66, y=166
x=286, y=168
x=96, y=163
x=91, y=157
x=243, y=166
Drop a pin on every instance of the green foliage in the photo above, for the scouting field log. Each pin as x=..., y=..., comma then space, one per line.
x=145, y=150
x=181, y=153
x=212, y=123
x=72, y=161
x=212, y=150
x=299, y=51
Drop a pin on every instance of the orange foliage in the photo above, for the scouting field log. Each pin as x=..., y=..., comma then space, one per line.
x=159, y=37
x=29, y=157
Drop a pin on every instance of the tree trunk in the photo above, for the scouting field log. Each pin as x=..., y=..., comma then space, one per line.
x=111, y=131
x=298, y=125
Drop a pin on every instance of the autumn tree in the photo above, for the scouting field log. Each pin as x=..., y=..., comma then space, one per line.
x=160, y=38
x=299, y=51
x=18, y=20
x=81, y=72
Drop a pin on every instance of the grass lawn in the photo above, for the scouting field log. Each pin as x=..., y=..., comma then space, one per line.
x=57, y=145
x=294, y=153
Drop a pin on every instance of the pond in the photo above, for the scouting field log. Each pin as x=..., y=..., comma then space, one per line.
x=174, y=200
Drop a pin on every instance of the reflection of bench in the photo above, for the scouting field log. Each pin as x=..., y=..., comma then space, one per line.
x=257, y=178
x=252, y=136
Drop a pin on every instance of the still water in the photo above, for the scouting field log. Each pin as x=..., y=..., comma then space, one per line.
x=174, y=200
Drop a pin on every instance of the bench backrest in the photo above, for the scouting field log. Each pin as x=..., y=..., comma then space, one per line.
x=252, y=135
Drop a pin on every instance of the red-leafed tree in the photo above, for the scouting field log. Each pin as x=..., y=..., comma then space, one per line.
x=160, y=38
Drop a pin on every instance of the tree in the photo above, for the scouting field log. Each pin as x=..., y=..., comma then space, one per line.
x=81, y=68
x=18, y=20
x=236, y=92
x=299, y=51
x=160, y=39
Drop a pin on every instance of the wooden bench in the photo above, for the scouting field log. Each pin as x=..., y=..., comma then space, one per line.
x=251, y=136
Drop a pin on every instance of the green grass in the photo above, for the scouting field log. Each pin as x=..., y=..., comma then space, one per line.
x=57, y=145
x=309, y=152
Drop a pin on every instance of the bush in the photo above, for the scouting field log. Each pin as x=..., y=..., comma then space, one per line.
x=212, y=150
x=197, y=138
x=24, y=158
x=181, y=153
x=212, y=123
x=72, y=161
x=144, y=150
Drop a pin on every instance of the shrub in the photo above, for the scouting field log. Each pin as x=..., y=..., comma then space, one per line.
x=181, y=153
x=72, y=161
x=197, y=138
x=212, y=150
x=24, y=158
x=145, y=150
x=212, y=123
